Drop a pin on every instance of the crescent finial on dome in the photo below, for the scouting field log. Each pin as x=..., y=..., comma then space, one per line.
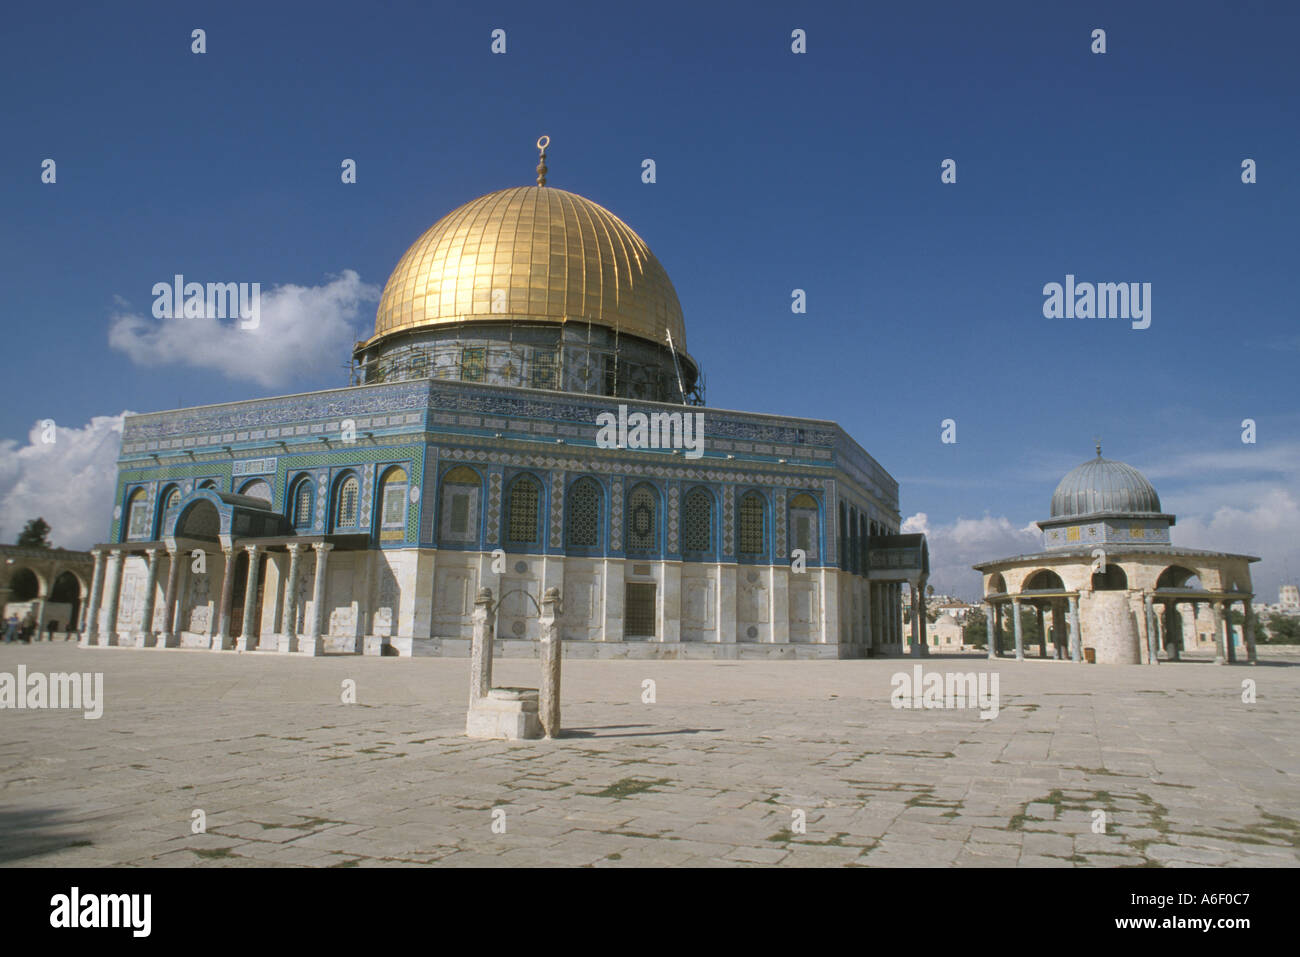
x=542, y=143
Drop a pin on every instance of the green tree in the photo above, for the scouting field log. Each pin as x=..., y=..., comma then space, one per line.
x=977, y=628
x=1283, y=630
x=34, y=534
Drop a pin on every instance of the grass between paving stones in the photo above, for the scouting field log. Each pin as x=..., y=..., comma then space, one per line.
x=626, y=787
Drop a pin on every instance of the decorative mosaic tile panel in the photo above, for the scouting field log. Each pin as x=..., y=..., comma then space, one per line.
x=673, y=491
x=728, y=520
x=494, y=507
x=616, y=514
x=557, y=509
x=428, y=504
x=780, y=524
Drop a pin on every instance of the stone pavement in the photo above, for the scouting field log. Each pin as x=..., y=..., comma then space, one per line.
x=711, y=773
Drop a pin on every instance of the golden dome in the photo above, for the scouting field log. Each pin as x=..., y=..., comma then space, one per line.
x=532, y=252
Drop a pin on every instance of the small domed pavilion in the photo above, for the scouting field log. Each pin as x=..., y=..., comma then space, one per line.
x=1110, y=579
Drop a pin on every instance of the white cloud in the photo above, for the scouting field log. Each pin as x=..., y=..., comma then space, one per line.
x=955, y=547
x=302, y=329
x=69, y=482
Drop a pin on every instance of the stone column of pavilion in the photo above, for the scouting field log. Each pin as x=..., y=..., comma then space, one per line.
x=1076, y=642
x=1220, y=651
x=247, y=639
x=90, y=633
x=116, y=563
x=313, y=645
x=1042, y=632
x=1229, y=636
x=1172, y=651
x=1015, y=624
x=221, y=636
x=1248, y=629
x=1153, y=638
x=144, y=638
x=989, y=617
x=288, y=642
x=169, y=638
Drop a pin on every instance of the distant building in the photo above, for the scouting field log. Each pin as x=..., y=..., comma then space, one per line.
x=1288, y=599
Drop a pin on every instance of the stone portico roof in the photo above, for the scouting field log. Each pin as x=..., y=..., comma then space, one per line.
x=1084, y=553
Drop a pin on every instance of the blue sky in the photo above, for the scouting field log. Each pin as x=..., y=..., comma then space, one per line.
x=775, y=171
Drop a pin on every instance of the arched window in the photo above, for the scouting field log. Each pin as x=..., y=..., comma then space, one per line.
x=137, y=515
x=523, y=511
x=257, y=488
x=584, y=514
x=171, y=500
x=302, y=502
x=345, y=511
x=698, y=525
x=642, y=519
x=392, y=499
x=208, y=483
x=459, y=507
x=804, y=525
x=753, y=525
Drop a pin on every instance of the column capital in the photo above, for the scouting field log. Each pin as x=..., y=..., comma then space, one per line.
x=152, y=553
x=252, y=549
x=322, y=546
x=98, y=553
x=293, y=548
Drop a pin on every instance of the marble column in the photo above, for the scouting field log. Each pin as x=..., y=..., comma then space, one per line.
x=221, y=637
x=117, y=564
x=248, y=637
x=1229, y=636
x=1220, y=619
x=170, y=633
x=90, y=632
x=1019, y=630
x=480, y=657
x=1042, y=632
x=989, y=617
x=1172, y=637
x=1248, y=632
x=1153, y=640
x=289, y=626
x=1076, y=641
x=313, y=644
x=145, y=637
x=552, y=653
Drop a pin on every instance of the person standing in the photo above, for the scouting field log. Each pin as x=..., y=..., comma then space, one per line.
x=11, y=629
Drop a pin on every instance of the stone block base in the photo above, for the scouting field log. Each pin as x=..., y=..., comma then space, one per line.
x=508, y=714
x=374, y=645
x=314, y=647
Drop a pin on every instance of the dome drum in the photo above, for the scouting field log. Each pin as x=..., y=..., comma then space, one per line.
x=535, y=287
x=536, y=355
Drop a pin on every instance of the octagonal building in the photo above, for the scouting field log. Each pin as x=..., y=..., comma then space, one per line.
x=524, y=416
x=1109, y=585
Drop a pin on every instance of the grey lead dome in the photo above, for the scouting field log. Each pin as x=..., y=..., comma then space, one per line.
x=1102, y=485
